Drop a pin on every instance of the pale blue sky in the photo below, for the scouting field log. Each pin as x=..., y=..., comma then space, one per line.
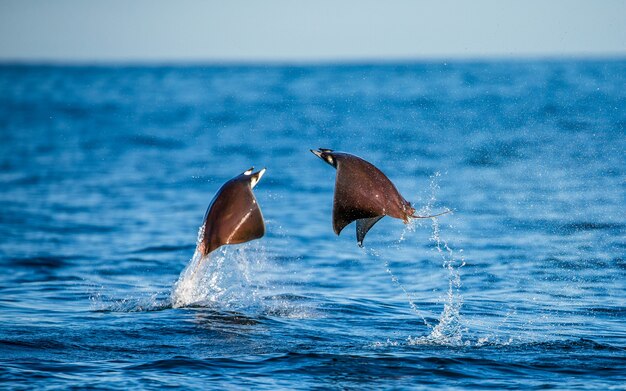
x=315, y=30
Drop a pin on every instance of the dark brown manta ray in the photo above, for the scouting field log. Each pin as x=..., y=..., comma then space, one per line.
x=363, y=193
x=234, y=216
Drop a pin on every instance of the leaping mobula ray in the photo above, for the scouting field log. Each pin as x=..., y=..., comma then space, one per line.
x=363, y=193
x=234, y=215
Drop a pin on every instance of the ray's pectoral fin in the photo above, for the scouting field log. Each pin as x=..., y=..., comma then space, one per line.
x=250, y=227
x=240, y=227
x=363, y=226
x=234, y=215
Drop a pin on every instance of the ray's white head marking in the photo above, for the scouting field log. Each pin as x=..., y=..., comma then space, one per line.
x=256, y=178
x=326, y=155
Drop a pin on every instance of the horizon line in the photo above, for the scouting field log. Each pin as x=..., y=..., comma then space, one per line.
x=136, y=62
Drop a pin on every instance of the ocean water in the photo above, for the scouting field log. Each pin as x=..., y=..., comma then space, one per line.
x=106, y=172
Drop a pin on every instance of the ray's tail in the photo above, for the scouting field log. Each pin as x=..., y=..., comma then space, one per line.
x=414, y=216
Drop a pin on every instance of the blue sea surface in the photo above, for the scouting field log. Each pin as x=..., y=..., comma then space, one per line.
x=106, y=172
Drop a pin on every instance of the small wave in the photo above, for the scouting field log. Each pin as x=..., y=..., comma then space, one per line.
x=37, y=344
x=500, y=342
x=579, y=226
x=153, y=302
x=143, y=140
x=173, y=363
x=287, y=308
x=44, y=262
x=561, y=227
x=161, y=249
x=215, y=316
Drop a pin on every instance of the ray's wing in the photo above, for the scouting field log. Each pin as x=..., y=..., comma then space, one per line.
x=355, y=198
x=250, y=226
x=234, y=217
x=363, y=226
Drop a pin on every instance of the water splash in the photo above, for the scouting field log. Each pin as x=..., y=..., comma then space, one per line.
x=449, y=329
x=222, y=279
x=139, y=302
x=232, y=278
x=152, y=302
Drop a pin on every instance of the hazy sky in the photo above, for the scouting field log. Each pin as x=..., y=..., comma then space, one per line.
x=314, y=30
